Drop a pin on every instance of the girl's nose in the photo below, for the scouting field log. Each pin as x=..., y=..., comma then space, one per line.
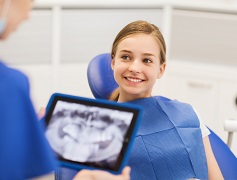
x=135, y=66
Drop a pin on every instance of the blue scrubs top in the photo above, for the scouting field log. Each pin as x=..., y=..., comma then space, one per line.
x=24, y=150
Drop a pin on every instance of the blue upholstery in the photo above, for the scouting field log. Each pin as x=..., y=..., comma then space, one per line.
x=102, y=83
x=225, y=158
x=101, y=87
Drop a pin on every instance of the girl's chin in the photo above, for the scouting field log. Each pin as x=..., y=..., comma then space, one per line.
x=136, y=94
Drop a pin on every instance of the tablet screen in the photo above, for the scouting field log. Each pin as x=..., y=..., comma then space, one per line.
x=89, y=132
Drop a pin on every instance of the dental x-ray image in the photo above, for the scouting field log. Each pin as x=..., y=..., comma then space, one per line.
x=87, y=134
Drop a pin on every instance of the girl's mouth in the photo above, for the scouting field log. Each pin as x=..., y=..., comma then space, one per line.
x=135, y=80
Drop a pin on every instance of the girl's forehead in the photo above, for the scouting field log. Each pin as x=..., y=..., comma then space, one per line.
x=138, y=36
x=145, y=42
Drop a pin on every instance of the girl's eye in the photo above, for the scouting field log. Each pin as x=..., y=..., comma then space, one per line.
x=147, y=61
x=125, y=57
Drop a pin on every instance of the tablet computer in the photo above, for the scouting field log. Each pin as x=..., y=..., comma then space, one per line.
x=89, y=133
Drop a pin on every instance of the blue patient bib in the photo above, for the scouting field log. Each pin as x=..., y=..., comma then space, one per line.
x=169, y=142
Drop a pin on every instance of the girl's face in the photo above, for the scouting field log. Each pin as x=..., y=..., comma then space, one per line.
x=136, y=66
x=17, y=13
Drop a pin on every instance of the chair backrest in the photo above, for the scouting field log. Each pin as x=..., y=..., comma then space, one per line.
x=100, y=76
x=224, y=156
x=102, y=84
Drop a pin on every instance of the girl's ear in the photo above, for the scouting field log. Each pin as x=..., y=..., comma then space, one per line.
x=162, y=70
x=112, y=64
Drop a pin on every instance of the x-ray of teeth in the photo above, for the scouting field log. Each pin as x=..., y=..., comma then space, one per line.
x=87, y=134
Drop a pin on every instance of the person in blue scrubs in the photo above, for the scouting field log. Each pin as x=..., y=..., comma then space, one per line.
x=24, y=150
x=172, y=142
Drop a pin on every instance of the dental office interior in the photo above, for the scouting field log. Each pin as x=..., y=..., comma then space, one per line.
x=56, y=44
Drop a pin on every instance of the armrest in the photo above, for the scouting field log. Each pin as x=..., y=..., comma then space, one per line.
x=230, y=125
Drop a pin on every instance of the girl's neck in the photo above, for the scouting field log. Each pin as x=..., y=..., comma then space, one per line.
x=123, y=97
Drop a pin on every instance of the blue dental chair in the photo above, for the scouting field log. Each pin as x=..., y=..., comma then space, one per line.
x=102, y=84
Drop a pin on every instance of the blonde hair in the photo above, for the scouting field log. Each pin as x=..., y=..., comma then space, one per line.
x=133, y=28
x=114, y=95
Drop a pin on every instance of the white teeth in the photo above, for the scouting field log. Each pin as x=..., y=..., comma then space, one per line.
x=134, y=80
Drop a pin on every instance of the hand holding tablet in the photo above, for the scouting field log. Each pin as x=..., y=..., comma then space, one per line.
x=91, y=133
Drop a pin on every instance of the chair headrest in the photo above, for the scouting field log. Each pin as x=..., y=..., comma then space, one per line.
x=100, y=76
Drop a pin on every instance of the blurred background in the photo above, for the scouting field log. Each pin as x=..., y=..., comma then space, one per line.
x=56, y=44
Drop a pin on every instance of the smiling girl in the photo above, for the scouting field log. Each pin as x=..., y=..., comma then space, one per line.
x=172, y=143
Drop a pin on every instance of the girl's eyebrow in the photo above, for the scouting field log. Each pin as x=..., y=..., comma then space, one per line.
x=145, y=54
x=149, y=54
x=127, y=51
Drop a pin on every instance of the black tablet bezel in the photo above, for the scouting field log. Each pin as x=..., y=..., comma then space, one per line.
x=129, y=137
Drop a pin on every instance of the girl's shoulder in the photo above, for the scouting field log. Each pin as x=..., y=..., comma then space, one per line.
x=162, y=98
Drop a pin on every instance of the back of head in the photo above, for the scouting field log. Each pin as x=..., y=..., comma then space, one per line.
x=12, y=14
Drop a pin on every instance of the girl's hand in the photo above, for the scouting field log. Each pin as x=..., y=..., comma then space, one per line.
x=102, y=175
x=41, y=112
